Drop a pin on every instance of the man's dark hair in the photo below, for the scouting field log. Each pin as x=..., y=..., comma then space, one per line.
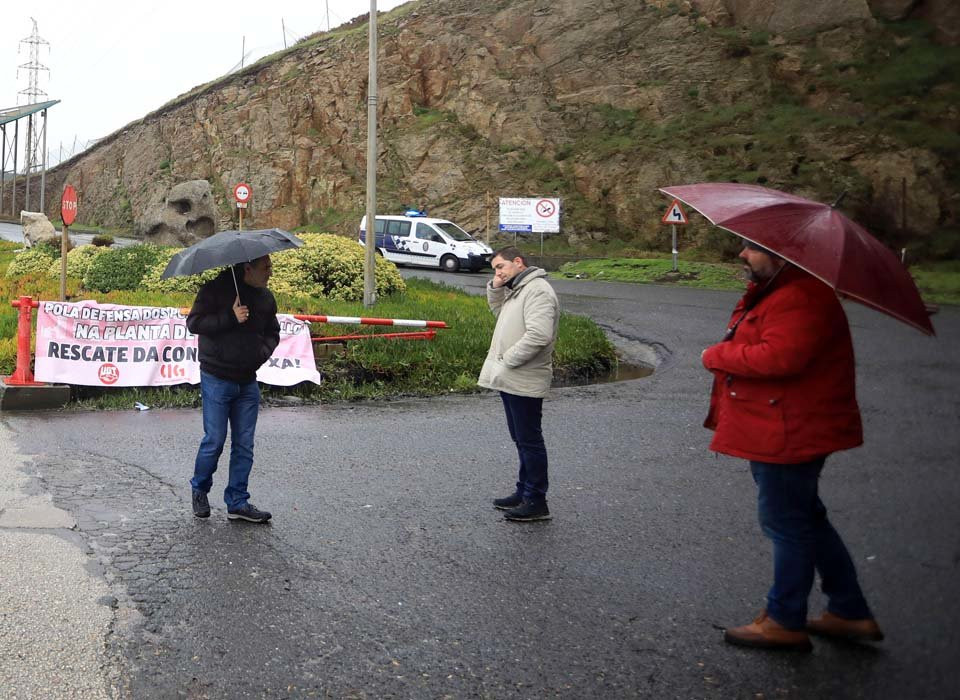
x=510, y=253
x=238, y=268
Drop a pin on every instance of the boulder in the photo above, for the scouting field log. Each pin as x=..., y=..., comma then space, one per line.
x=713, y=11
x=906, y=186
x=944, y=15
x=186, y=216
x=789, y=16
x=37, y=228
x=891, y=10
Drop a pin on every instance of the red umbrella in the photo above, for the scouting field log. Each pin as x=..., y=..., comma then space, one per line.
x=815, y=237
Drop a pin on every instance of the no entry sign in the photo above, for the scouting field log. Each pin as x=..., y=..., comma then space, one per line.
x=242, y=192
x=68, y=205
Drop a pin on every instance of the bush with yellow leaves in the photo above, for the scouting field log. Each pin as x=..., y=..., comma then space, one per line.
x=78, y=261
x=151, y=281
x=32, y=261
x=326, y=265
x=330, y=266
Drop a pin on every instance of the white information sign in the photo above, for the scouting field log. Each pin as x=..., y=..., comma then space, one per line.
x=530, y=215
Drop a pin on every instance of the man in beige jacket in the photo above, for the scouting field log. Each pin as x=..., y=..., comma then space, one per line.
x=519, y=365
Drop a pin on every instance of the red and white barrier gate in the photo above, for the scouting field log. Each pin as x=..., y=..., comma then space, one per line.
x=359, y=320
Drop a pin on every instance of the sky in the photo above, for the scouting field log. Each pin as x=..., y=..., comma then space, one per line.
x=113, y=61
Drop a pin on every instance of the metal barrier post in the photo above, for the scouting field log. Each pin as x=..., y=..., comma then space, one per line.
x=22, y=376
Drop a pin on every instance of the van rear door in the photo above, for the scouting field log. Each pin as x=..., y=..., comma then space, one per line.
x=391, y=237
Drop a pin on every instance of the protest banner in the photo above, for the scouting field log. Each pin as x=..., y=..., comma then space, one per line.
x=95, y=344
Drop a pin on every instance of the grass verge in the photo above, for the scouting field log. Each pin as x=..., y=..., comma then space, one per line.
x=369, y=369
x=656, y=271
x=379, y=368
x=938, y=282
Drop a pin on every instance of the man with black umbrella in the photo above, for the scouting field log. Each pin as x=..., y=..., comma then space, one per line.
x=235, y=317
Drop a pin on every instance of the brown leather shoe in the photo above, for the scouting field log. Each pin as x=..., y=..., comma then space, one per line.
x=766, y=633
x=830, y=625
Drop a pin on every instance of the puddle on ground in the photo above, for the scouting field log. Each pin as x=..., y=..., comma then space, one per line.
x=621, y=373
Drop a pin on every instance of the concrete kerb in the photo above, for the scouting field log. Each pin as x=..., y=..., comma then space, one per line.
x=44, y=581
x=32, y=397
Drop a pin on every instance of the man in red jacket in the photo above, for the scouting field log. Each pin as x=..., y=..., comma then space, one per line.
x=784, y=398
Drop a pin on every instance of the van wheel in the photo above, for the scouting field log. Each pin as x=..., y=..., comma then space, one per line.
x=449, y=263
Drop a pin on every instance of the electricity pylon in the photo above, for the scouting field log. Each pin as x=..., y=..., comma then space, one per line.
x=34, y=155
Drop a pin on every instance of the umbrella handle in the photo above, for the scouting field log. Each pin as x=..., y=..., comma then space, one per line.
x=234, y=274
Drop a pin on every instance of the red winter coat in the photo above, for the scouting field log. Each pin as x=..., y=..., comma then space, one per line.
x=784, y=389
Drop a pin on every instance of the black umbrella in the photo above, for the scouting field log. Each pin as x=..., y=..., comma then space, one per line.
x=229, y=248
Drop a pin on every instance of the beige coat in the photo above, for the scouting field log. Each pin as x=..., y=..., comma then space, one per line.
x=520, y=359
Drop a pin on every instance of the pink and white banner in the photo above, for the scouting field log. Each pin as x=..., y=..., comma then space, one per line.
x=111, y=345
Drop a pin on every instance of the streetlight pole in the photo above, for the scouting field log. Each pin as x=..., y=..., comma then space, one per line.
x=369, y=263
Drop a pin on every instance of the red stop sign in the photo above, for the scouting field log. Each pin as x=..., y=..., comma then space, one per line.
x=68, y=205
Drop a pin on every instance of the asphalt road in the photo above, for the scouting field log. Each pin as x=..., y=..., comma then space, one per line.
x=386, y=573
x=14, y=232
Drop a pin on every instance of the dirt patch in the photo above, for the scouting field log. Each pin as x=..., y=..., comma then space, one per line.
x=677, y=277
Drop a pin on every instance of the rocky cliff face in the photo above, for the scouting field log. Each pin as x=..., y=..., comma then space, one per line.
x=598, y=102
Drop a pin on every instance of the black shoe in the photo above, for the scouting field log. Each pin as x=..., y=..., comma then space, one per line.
x=201, y=506
x=529, y=510
x=508, y=502
x=249, y=512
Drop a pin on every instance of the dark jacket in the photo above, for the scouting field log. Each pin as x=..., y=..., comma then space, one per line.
x=785, y=388
x=229, y=349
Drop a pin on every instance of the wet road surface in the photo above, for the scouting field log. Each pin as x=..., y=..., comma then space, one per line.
x=14, y=232
x=386, y=573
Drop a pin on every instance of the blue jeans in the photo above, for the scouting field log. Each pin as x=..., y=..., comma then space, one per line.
x=225, y=401
x=795, y=519
x=524, y=414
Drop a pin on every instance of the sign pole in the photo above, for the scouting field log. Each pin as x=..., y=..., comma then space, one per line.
x=673, y=217
x=673, y=230
x=68, y=213
x=242, y=192
x=486, y=203
x=63, y=262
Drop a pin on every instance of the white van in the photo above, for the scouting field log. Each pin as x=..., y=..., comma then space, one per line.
x=415, y=239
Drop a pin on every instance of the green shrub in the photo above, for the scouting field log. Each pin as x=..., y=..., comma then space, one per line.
x=191, y=283
x=330, y=266
x=120, y=268
x=8, y=355
x=102, y=239
x=78, y=262
x=29, y=261
x=51, y=245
